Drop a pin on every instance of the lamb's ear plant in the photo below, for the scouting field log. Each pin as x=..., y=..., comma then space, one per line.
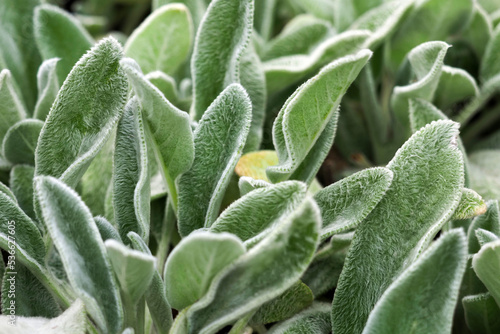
x=250, y=166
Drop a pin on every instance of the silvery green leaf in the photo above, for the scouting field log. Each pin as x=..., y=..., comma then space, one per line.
x=471, y=205
x=20, y=141
x=29, y=246
x=323, y=9
x=284, y=71
x=86, y=264
x=4, y=189
x=218, y=140
x=324, y=271
x=254, y=82
x=482, y=313
x=247, y=184
x=423, y=113
x=48, y=87
x=196, y=8
x=258, y=212
x=133, y=269
x=163, y=41
x=383, y=21
x=484, y=174
x=18, y=52
x=484, y=236
x=21, y=182
x=168, y=127
x=489, y=67
x=25, y=295
x=486, y=264
x=194, y=263
x=156, y=297
x=180, y=325
x=72, y=321
x=299, y=36
x=314, y=320
x=96, y=180
x=261, y=274
x=490, y=221
x=427, y=62
x=387, y=241
x=12, y=109
x=297, y=128
x=166, y=84
x=422, y=299
x=128, y=331
x=455, y=85
x=59, y=34
x=346, y=203
x=106, y=229
x=131, y=192
x=479, y=31
x=86, y=109
x=264, y=18
x=220, y=43
x=290, y=302
x=421, y=25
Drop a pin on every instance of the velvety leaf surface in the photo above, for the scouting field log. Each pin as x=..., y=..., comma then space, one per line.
x=314, y=320
x=87, y=107
x=247, y=184
x=261, y=274
x=218, y=140
x=297, y=127
x=131, y=192
x=48, y=87
x=455, y=85
x=163, y=40
x=471, y=205
x=21, y=183
x=482, y=313
x=254, y=215
x=4, y=189
x=486, y=264
x=134, y=269
x=106, y=230
x=12, y=109
x=168, y=128
x=484, y=173
x=194, y=262
x=428, y=164
x=82, y=251
x=485, y=237
x=220, y=42
x=20, y=141
x=196, y=8
x=58, y=34
x=422, y=299
x=347, y=202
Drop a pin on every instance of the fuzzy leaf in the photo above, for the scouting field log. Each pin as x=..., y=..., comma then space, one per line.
x=87, y=107
x=163, y=41
x=314, y=320
x=72, y=321
x=131, y=193
x=220, y=42
x=12, y=110
x=156, y=297
x=82, y=251
x=106, y=230
x=261, y=274
x=257, y=213
x=20, y=141
x=347, y=202
x=247, y=184
x=18, y=53
x=196, y=7
x=4, y=189
x=48, y=87
x=60, y=35
x=471, y=205
x=21, y=182
x=168, y=128
x=430, y=165
x=427, y=62
x=455, y=85
x=297, y=128
x=489, y=66
x=218, y=139
x=479, y=31
x=133, y=269
x=422, y=299
x=193, y=264
x=482, y=313
x=486, y=264
x=284, y=71
x=166, y=84
x=292, y=301
x=484, y=236
x=484, y=173
x=489, y=221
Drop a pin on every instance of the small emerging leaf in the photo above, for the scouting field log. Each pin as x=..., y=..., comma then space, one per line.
x=471, y=205
x=20, y=141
